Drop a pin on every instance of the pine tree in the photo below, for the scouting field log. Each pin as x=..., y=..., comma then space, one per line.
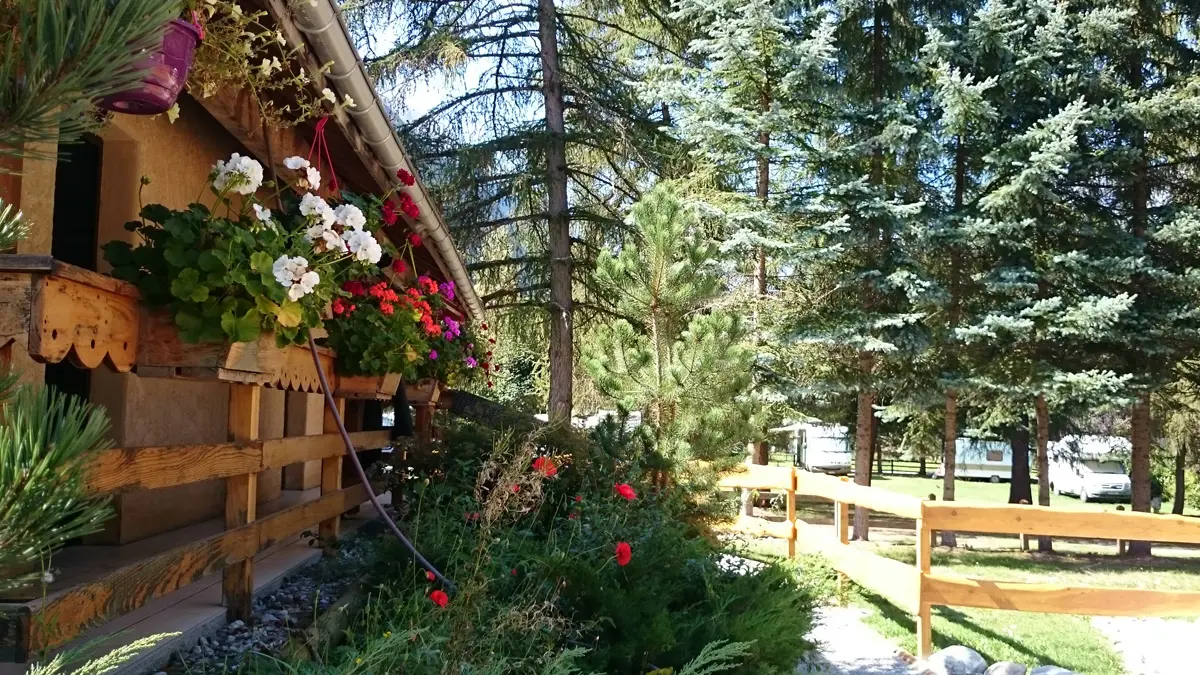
x=869, y=147
x=533, y=160
x=679, y=358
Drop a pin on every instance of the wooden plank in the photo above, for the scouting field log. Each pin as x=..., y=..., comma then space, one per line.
x=153, y=467
x=88, y=324
x=758, y=477
x=924, y=613
x=96, y=280
x=1058, y=598
x=876, y=499
x=16, y=307
x=241, y=499
x=1062, y=522
x=284, y=451
x=63, y=617
x=12, y=262
x=331, y=475
x=899, y=583
x=376, y=387
x=791, y=516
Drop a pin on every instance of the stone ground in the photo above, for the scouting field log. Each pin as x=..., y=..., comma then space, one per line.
x=1153, y=646
x=847, y=646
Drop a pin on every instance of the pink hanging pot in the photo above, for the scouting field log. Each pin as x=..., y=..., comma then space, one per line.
x=166, y=72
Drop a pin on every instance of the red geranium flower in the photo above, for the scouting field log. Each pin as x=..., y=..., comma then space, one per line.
x=354, y=287
x=624, y=553
x=338, y=306
x=399, y=266
x=572, y=516
x=389, y=213
x=387, y=308
x=429, y=575
x=578, y=498
x=405, y=177
x=625, y=491
x=414, y=239
x=439, y=598
x=546, y=466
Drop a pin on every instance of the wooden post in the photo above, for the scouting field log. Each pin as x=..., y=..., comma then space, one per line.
x=423, y=424
x=331, y=477
x=841, y=521
x=241, y=498
x=924, y=613
x=791, y=515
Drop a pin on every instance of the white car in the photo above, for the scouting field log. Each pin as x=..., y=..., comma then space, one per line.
x=1091, y=479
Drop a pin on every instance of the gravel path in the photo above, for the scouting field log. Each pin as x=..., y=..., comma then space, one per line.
x=847, y=646
x=1153, y=646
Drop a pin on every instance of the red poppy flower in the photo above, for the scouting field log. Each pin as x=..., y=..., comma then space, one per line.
x=546, y=466
x=625, y=491
x=405, y=177
x=514, y=572
x=439, y=598
x=572, y=516
x=624, y=553
x=429, y=575
x=578, y=498
x=399, y=266
x=516, y=489
x=389, y=213
x=414, y=239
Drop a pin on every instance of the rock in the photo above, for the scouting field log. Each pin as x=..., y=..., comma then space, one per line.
x=1051, y=670
x=237, y=624
x=1006, y=668
x=956, y=660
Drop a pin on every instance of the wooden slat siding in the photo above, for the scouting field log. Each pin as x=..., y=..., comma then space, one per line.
x=1061, y=522
x=1057, y=598
x=14, y=262
x=285, y=451
x=892, y=579
x=14, y=633
x=63, y=617
x=758, y=477
x=241, y=501
x=153, y=467
x=160, y=466
x=875, y=499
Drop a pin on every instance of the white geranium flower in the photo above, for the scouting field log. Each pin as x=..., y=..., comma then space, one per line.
x=314, y=178
x=333, y=241
x=263, y=214
x=283, y=274
x=312, y=205
x=348, y=102
x=296, y=163
x=295, y=292
x=328, y=95
x=309, y=281
x=242, y=175
x=351, y=216
x=363, y=245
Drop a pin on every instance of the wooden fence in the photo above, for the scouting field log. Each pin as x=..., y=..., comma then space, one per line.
x=916, y=589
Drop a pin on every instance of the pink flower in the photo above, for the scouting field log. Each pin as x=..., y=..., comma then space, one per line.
x=433, y=355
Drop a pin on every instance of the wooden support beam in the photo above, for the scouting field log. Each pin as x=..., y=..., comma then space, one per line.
x=241, y=499
x=791, y=516
x=331, y=476
x=1062, y=522
x=924, y=609
x=1058, y=598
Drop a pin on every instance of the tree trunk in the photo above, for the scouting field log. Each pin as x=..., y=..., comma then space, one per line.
x=1139, y=470
x=562, y=357
x=876, y=448
x=1180, y=480
x=1043, y=462
x=921, y=468
x=862, y=444
x=1020, y=489
x=949, y=457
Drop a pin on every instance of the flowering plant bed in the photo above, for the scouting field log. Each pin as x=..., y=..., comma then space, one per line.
x=236, y=271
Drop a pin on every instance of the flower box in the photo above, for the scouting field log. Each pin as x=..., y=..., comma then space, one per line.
x=165, y=354
x=423, y=392
x=378, y=387
x=58, y=311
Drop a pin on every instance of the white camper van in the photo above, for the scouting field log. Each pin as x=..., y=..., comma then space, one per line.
x=819, y=447
x=1089, y=467
x=981, y=459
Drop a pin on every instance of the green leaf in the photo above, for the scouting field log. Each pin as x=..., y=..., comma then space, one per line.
x=185, y=284
x=200, y=294
x=245, y=328
x=209, y=262
x=133, y=225
x=261, y=262
x=178, y=256
x=118, y=253
x=156, y=213
x=290, y=314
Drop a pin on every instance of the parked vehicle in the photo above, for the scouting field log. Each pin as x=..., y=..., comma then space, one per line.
x=818, y=447
x=1089, y=467
x=980, y=459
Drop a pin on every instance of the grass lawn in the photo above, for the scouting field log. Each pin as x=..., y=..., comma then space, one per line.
x=1031, y=639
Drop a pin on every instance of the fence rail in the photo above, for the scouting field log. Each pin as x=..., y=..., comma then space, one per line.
x=916, y=589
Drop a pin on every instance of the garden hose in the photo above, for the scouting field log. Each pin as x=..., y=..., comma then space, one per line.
x=362, y=475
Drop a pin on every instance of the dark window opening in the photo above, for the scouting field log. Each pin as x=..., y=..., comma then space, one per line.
x=73, y=241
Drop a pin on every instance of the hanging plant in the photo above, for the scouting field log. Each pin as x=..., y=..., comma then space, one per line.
x=236, y=270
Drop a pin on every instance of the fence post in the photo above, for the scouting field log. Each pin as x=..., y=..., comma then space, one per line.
x=241, y=499
x=841, y=521
x=791, y=515
x=331, y=477
x=924, y=614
